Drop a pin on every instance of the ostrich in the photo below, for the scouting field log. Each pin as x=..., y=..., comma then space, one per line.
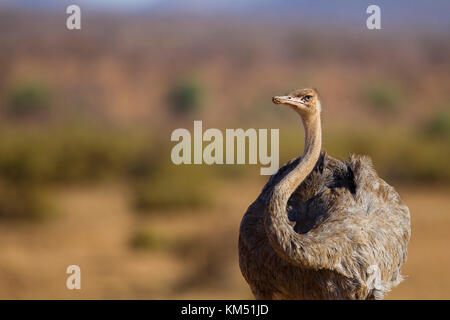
x=323, y=228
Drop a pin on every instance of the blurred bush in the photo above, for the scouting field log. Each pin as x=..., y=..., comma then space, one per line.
x=66, y=155
x=185, y=96
x=383, y=97
x=150, y=240
x=175, y=187
x=24, y=202
x=93, y=155
x=23, y=161
x=421, y=160
x=159, y=184
x=26, y=100
x=438, y=126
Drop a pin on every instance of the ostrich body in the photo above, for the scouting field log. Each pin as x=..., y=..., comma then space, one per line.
x=323, y=228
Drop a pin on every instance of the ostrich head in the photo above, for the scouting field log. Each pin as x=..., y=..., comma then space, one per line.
x=303, y=101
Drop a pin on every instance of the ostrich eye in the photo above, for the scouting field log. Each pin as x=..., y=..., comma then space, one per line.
x=307, y=98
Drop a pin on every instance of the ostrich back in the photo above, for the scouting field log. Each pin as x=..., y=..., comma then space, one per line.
x=358, y=220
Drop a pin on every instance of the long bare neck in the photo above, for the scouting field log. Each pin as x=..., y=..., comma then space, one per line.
x=311, y=153
x=290, y=245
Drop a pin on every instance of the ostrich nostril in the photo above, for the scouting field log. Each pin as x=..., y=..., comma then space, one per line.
x=289, y=98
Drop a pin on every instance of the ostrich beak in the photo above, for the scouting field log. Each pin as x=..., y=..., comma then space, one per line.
x=287, y=100
x=280, y=99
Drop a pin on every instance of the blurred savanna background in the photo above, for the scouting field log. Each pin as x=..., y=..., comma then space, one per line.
x=86, y=116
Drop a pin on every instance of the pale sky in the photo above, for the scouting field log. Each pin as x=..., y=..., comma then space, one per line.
x=119, y=3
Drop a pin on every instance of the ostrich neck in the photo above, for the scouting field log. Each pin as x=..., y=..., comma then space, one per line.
x=311, y=153
x=290, y=245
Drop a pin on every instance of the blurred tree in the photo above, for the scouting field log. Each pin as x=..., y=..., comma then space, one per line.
x=28, y=100
x=439, y=124
x=383, y=97
x=185, y=96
